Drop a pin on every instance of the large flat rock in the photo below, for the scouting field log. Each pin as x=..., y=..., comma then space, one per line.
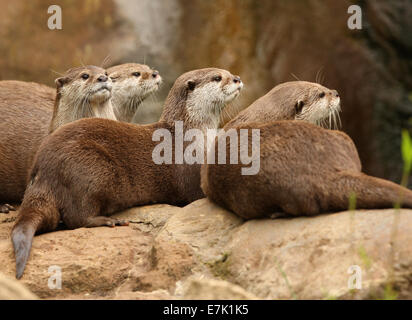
x=202, y=251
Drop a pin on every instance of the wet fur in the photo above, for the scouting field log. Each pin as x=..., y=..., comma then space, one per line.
x=304, y=170
x=89, y=169
x=280, y=104
x=28, y=111
x=129, y=91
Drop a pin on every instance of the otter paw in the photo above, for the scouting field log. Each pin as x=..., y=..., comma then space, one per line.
x=277, y=215
x=102, y=221
x=115, y=222
x=6, y=208
x=122, y=223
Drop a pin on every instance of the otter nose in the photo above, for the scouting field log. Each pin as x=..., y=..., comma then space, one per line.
x=102, y=79
x=155, y=74
x=335, y=93
x=236, y=79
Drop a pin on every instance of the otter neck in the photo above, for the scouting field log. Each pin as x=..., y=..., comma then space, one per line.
x=66, y=111
x=183, y=111
x=125, y=107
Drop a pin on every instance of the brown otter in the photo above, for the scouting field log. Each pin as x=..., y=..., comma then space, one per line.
x=304, y=170
x=27, y=114
x=18, y=141
x=89, y=169
x=83, y=92
x=294, y=100
x=132, y=83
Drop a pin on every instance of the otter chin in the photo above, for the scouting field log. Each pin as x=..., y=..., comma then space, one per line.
x=102, y=93
x=82, y=92
x=295, y=100
x=64, y=186
x=30, y=111
x=132, y=83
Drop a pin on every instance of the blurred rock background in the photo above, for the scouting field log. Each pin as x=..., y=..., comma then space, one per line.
x=266, y=42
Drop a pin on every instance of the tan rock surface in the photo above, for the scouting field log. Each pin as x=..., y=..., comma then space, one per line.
x=11, y=289
x=309, y=258
x=182, y=252
x=210, y=289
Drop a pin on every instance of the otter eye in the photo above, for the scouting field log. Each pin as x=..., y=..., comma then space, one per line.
x=106, y=74
x=321, y=95
x=299, y=106
x=85, y=76
x=136, y=74
x=217, y=78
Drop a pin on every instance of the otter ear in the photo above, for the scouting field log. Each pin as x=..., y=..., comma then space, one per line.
x=299, y=106
x=60, y=82
x=191, y=85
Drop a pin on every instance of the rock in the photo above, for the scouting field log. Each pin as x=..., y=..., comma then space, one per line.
x=149, y=218
x=210, y=289
x=103, y=262
x=11, y=289
x=170, y=261
x=309, y=258
x=91, y=260
x=202, y=251
x=6, y=223
x=203, y=226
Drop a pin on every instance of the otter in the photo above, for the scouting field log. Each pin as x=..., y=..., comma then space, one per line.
x=304, y=170
x=82, y=92
x=92, y=168
x=132, y=83
x=294, y=100
x=18, y=143
x=30, y=111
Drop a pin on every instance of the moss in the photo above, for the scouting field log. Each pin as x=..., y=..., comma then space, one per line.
x=221, y=267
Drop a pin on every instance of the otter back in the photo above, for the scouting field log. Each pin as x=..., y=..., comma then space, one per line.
x=26, y=110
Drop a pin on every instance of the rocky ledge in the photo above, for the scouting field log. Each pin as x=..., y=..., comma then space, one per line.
x=202, y=251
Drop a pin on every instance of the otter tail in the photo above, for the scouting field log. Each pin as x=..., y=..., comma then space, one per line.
x=37, y=214
x=372, y=192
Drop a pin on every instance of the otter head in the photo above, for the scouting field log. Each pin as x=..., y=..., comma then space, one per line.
x=132, y=83
x=82, y=92
x=198, y=97
x=89, y=84
x=313, y=103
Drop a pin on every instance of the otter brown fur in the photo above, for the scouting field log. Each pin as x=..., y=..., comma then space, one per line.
x=18, y=141
x=91, y=168
x=294, y=100
x=304, y=170
x=83, y=92
x=28, y=111
x=132, y=83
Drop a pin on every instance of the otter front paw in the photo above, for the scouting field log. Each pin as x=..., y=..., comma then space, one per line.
x=101, y=221
x=6, y=208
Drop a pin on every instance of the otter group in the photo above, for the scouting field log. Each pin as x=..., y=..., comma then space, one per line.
x=31, y=111
x=88, y=169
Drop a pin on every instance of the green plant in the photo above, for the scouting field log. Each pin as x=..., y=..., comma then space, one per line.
x=285, y=277
x=406, y=149
x=366, y=260
x=352, y=201
x=389, y=293
x=407, y=156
